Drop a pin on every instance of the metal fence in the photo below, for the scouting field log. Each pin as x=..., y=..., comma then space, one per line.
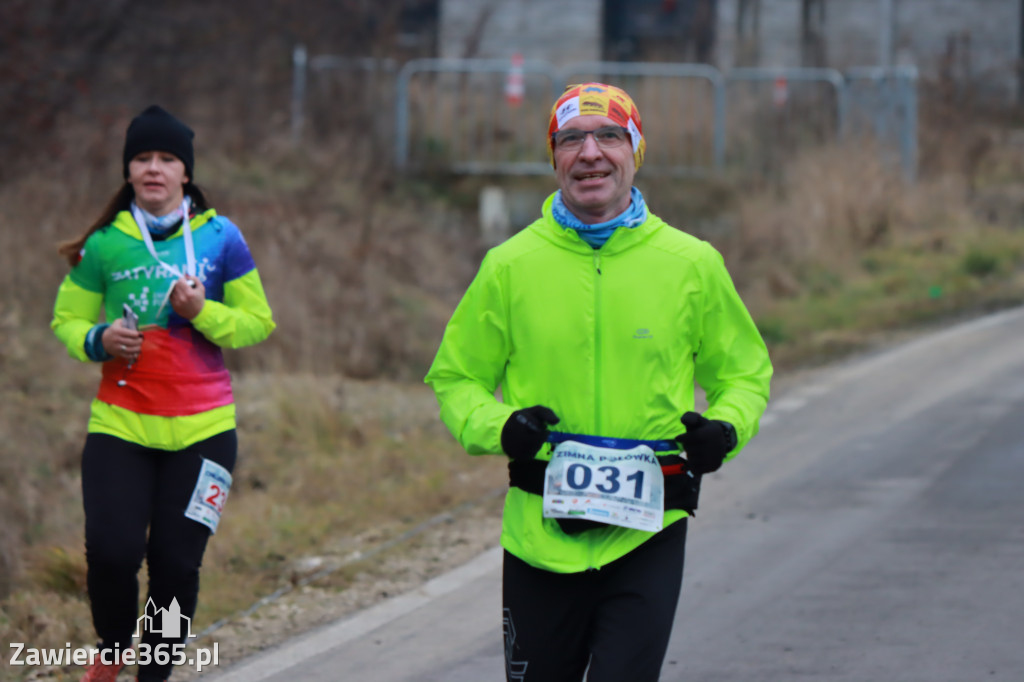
x=345, y=92
x=455, y=115
x=882, y=106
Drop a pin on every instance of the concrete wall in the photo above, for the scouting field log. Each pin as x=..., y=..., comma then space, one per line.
x=555, y=31
x=986, y=34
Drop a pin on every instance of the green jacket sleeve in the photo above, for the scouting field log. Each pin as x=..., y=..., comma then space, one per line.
x=243, y=319
x=75, y=312
x=470, y=365
x=732, y=363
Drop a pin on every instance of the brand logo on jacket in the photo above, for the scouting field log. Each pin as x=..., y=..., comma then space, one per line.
x=643, y=333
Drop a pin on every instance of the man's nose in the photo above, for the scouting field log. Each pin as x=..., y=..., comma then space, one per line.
x=590, y=147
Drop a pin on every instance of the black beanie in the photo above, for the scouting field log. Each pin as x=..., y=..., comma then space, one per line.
x=156, y=130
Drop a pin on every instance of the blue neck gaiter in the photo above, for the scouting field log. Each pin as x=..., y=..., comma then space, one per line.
x=596, y=235
x=161, y=226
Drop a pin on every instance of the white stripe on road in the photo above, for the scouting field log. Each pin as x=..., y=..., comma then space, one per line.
x=305, y=647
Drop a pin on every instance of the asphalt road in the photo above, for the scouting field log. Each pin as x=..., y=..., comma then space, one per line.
x=872, y=532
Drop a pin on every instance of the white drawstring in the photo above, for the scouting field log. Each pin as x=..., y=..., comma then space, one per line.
x=190, y=254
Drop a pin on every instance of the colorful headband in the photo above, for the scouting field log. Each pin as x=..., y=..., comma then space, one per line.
x=601, y=100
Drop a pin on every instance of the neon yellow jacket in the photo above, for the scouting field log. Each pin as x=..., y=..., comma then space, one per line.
x=612, y=340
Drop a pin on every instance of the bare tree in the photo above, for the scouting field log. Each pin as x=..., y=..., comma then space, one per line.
x=705, y=18
x=748, y=32
x=73, y=72
x=812, y=33
x=49, y=50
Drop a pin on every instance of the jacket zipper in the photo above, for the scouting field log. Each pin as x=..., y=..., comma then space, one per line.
x=597, y=369
x=597, y=341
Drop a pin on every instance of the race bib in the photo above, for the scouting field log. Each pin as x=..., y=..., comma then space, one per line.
x=618, y=487
x=209, y=495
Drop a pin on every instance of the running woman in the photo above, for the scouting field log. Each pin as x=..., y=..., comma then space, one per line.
x=159, y=285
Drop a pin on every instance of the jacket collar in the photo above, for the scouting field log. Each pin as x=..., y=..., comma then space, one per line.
x=125, y=222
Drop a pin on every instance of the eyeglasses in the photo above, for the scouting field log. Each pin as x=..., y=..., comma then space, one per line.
x=607, y=137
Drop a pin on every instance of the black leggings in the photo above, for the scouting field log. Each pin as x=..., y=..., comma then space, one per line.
x=127, y=490
x=617, y=619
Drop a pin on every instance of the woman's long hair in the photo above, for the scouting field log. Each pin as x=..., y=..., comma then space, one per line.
x=121, y=201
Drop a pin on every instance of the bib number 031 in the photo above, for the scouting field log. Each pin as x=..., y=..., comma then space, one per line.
x=607, y=480
x=617, y=487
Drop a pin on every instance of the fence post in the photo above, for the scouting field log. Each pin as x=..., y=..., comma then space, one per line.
x=298, y=91
x=842, y=106
x=402, y=112
x=909, y=141
x=718, y=141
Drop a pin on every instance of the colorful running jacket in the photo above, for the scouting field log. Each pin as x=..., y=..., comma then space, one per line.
x=178, y=392
x=612, y=340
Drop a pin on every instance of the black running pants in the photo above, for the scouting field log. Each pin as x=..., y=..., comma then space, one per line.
x=616, y=620
x=135, y=500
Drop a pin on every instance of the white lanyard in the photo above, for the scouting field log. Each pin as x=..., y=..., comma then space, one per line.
x=190, y=254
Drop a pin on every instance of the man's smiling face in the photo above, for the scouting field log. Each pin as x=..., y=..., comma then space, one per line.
x=595, y=182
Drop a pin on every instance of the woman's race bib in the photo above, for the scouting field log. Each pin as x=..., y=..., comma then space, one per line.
x=209, y=495
x=618, y=487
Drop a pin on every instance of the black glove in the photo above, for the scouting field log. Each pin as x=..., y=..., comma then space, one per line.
x=526, y=430
x=706, y=441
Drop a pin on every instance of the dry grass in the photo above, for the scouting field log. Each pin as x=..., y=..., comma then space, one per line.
x=361, y=278
x=326, y=460
x=854, y=251
x=340, y=445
